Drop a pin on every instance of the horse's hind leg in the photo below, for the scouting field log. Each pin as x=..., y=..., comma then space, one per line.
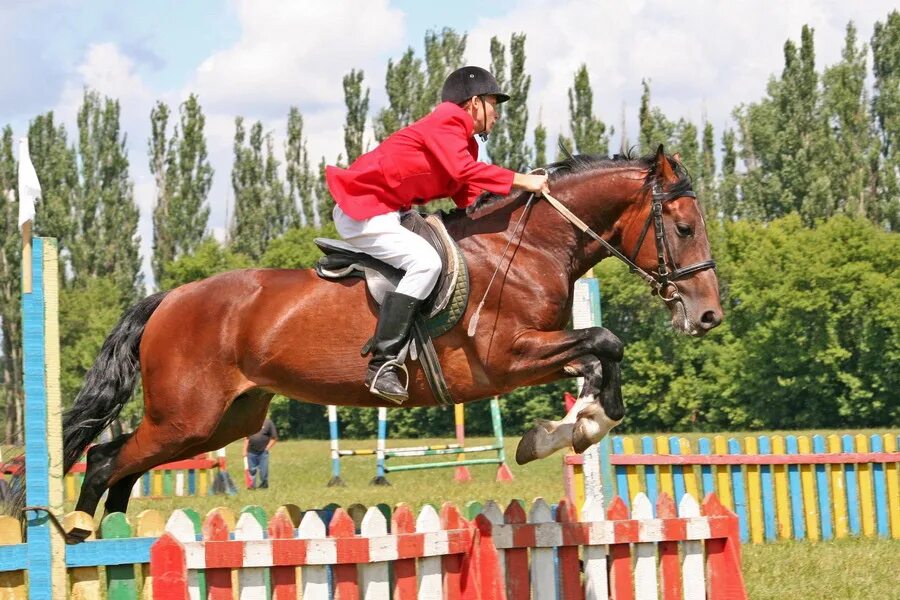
x=119, y=494
x=100, y=460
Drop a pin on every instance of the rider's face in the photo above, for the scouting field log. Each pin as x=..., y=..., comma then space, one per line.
x=484, y=112
x=488, y=113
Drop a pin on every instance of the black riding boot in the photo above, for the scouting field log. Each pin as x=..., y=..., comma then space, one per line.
x=394, y=323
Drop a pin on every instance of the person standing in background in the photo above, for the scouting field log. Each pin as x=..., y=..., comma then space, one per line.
x=256, y=454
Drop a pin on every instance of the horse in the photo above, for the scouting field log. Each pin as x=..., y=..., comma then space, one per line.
x=212, y=353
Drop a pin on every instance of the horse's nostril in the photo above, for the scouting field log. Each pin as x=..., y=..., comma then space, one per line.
x=710, y=319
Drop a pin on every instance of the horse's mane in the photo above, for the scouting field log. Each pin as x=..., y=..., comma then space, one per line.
x=575, y=164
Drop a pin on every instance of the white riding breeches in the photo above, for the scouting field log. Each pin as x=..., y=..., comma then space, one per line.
x=383, y=237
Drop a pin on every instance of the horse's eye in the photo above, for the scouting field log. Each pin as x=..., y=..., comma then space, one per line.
x=684, y=230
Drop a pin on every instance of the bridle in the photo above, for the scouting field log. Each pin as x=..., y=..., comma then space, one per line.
x=659, y=280
x=663, y=277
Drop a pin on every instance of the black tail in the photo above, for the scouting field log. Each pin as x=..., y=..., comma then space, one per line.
x=109, y=383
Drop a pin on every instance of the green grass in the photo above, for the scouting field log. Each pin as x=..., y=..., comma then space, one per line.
x=846, y=569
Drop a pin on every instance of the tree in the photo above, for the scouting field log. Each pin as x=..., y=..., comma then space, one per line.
x=299, y=175
x=183, y=178
x=251, y=212
x=10, y=288
x=727, y=204
x=506, y=145
x=852, y=155
x=56, y=165
x=784, y=142
x=540, y=145
x=687, y=146
x=324, y=201
x=655, y=127
x=704, y=179
x=404, y=83
x=280, y=206
x=588, y=131
x=444, y=53
x=209, y=258
x=413, y=89
x=357, y=111
x=886, y=110
x=104, y=241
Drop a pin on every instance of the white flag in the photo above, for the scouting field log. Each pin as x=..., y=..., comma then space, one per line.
x=29, y=186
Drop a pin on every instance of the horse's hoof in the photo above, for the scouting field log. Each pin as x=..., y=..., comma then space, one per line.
x=77, y=535
x=527, y=450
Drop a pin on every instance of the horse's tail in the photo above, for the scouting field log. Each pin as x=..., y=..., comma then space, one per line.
x=109, y=383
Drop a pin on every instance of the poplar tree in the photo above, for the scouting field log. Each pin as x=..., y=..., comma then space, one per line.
x=444, y=53
x=852, y=153
x=727, y=197
x=357, y=104
x=10, y=289
x=404, y=83
x=324, y=201
x=506, y=144
x=704, y=179
x=540, y=145
x=183, y=175
x=886, y=111
x=686, y=145
x=655, y=127
x=56, y=165
x=250, y=227
x=588, y=131
x=300, y=179
x=413, y=87
x=105, y=217
x=784, y=141
x=281, y=211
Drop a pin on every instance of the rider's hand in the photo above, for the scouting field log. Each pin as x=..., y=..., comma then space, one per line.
x=536, y=184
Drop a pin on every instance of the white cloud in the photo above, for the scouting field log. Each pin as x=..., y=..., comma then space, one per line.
x=292, y=53
x=703, y=56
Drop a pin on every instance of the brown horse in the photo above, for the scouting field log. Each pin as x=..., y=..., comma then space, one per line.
x=211, y=354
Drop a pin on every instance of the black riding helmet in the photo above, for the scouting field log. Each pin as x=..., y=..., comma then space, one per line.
x=466, y=82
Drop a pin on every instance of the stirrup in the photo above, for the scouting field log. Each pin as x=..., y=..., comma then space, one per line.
x=389, y=363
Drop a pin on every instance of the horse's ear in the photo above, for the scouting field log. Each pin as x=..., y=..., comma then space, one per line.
x=664, y=170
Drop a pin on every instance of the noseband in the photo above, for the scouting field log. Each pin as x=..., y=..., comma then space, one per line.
x=663, y=277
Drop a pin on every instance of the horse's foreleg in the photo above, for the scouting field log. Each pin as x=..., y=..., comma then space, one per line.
x=592, y=353
x=602, y=406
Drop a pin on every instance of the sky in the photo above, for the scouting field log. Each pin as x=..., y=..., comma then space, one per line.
x=257, y=58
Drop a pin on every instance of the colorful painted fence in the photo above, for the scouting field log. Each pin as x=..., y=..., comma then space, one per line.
x=500, y=555
x=780, y=487
x=690, y=551
x=191, y=477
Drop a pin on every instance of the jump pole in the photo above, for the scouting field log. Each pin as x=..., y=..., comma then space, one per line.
x=597, y=470
x=45, y=552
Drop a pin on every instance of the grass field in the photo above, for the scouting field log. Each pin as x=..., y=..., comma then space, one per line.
x=848, y=569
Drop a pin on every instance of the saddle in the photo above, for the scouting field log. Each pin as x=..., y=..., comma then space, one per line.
x=443, y=308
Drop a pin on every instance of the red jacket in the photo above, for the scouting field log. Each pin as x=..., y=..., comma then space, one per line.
x=435, y=157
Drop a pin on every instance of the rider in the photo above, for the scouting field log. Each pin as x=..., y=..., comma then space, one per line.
x=433, y=158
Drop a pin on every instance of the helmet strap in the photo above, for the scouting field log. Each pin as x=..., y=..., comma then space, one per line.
x=483, y=134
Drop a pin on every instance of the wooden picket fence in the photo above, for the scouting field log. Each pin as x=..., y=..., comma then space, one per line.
x=780, y=487
x=190, y=477
x=688, y=552
x=499, y=555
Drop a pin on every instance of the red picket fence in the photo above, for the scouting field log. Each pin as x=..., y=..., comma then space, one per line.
x=500, y=555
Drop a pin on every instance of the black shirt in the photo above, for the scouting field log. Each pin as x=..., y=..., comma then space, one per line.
x=259, y=441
